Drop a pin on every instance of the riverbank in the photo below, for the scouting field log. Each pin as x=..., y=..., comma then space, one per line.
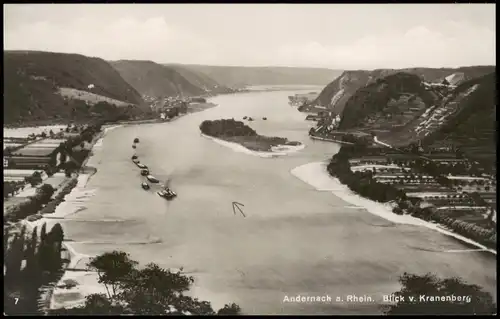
x=280, y=150
x=77, y=281
x=316, y=175
x=62, y=294
x=329, y=140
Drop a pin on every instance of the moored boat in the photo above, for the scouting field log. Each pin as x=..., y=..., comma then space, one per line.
x=152, y=179
x=145, y=186
x=167, y=194
x=144, y=172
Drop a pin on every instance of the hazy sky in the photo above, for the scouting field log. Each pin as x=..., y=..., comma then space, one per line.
x=342, y=36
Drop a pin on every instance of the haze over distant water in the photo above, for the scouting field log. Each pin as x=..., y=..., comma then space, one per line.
x=336, y=36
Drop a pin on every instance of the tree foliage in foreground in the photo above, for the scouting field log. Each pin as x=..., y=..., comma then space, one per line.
x=414, y=286
x=151, y=290
x=31, y=262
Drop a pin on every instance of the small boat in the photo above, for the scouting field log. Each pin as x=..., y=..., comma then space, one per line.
x=133, y=146
x=136, y=140
x=245, y=117
x=145, y=186
x=171, y=192
x=141, y=166
x=134, y=157
x=152, y=179
x=144, y=172
x=264, y=118
x=167, y=194
x=250, y=119
x=136, y=161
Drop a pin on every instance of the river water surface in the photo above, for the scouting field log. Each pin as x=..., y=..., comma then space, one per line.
x=294, y=239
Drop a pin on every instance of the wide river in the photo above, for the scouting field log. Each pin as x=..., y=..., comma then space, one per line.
x=294, y=239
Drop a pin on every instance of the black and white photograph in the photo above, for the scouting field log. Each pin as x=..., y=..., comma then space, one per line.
x=249, y=159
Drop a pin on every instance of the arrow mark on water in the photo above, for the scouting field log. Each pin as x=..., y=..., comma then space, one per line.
x=236, y=205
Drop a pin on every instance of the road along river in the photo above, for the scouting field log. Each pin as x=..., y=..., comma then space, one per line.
x=294, y=240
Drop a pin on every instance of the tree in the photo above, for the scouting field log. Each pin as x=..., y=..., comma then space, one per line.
x=8, y=189
x=148, y=291
x=43, y=233
x=397, y=211
x=232, y=309
x=46, y=191
x=56, y=236
x=35, y=179
x=70, y=168
x=57, y=233
x=112, y=268
x=428, y=285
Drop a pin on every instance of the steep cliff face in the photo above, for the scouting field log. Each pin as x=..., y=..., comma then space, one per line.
x=335, y=95
x=33, y=81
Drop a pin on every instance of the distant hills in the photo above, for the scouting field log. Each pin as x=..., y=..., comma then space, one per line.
x=239, y=76
x=46, y=86
x=33, y=81
x=156, y=80
x=336, y=94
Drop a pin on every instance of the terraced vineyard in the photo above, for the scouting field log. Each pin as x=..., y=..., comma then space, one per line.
x=473, y=129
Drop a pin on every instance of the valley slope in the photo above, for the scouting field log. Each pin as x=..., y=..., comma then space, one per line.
x=158, y=81
x=473, y=128
x=401, y=109
x=33, y=81
x=336, y=94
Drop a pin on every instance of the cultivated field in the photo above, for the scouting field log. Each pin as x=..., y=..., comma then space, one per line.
x=90, y=98
x=23, y=132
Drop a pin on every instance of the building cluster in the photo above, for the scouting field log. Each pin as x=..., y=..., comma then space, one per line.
x=39, y=154
x=457, y=199
x=42, y=151
x=168, y=107
x=327, y=122
x=300, y=99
